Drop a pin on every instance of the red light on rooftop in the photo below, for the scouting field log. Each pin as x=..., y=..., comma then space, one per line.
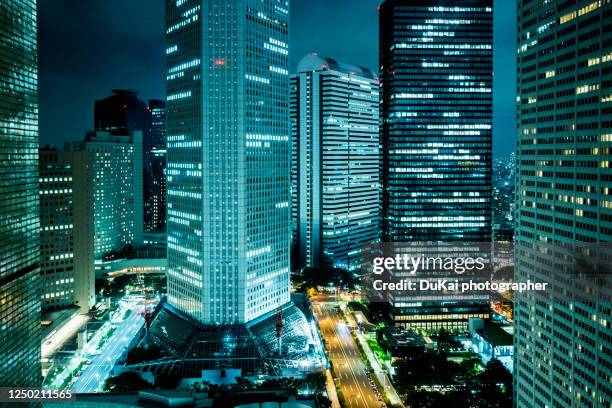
x=219, y=62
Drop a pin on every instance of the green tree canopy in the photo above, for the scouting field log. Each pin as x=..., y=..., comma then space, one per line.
x=311, y=277
x=127, y=381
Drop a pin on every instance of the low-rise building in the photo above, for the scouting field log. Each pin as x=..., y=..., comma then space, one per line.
x=491, y=341
x=400, y=343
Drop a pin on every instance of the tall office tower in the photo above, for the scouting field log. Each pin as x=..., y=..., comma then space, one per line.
x=228, y=158
x=66, y=229
x=334, y=167
x=563, y=346
x=154, y=167
x=436, y=64
x=123, y=112
x=19, y=252
x=120, y=112
x=117, y=189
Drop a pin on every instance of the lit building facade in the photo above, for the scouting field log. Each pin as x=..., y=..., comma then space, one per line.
x=436, y=65
x=334, y=166
x=116, y=179
x=123, y=112
x=154, y=158
x=228, y=152
x=66, y=229
x=19, y=251
x=563, y=346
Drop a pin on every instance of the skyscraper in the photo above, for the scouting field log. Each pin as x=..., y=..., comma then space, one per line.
x=123, y=112
x=334, y=167
x=228, y=158
x=117, y=189
x=19, y=252
x=120, y=112
x=66, y=229
x=563, y=346
x=436, y=115
x=154, y=159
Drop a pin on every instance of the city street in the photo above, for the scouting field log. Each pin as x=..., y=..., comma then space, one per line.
x=346, y=359
x=381, y=376
x=93, y=377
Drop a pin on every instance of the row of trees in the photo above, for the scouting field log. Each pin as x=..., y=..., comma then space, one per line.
x=116, y=287
x=314, y=383
x=141, y=354
x=313, y=276
x=130, y=381
x=464, y=388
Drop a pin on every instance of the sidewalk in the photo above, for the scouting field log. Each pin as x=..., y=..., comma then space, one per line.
x=331, y=390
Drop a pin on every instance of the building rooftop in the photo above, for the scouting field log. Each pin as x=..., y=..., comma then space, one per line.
x=495, y=334
x=402, y=338
x=315, y=62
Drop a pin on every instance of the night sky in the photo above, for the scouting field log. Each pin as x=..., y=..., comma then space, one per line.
x=87, y=48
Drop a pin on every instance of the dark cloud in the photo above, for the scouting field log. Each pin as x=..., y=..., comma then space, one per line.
x=346, y=30
x=89, y=47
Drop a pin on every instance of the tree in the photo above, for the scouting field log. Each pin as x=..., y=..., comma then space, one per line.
x=158, y=283
x=283, y=382
x=125, y=382
x=490, y=395
x=115, y=287
x=427, y=368
x=446, y=341
x=315, y=382
x=139, y=354
x=495, y=373
x=323, y=401
x=429, y=399
x=243, y=383
x=167, y=381
x=314, y=276
x=470, y=363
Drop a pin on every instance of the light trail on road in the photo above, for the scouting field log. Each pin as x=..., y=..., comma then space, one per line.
x=92, y=379
x=55, y=340
x=346, y=359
